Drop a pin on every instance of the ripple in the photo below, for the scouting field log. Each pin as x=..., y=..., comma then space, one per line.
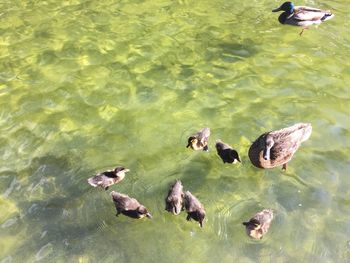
x=44, y=251
x=8, y=259
x=10, y=188
x=10, y=222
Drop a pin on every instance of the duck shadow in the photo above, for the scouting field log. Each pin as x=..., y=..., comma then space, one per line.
x=195, y=173
x=231, y=52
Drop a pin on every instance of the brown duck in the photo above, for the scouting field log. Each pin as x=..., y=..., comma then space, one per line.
x=199, y=141
x=129, y=206
x=277, y=148
x=258, y=225
x=174, y=200
x=194, y=208
x=108, y=178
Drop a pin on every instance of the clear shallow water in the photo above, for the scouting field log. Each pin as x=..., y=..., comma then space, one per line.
x=86, y=86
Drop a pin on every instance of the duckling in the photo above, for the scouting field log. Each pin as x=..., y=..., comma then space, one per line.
x=129, y=206
x=174, y=200
x=194, y=208
x=276, y=148
x=108, y=178
x=303, y=16
x=258, y=225
x=226, y=152
x=199, y=141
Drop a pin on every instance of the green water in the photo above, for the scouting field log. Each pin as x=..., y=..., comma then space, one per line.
x=89, y=85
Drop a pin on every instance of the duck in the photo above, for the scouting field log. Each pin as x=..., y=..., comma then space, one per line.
x=129, y=206
x=194, y=208
x=226, y=152
x=303, y=16
x=174, y=200
x=277, y=148
x=108, y=178
x=259, y=224
x=199, y=141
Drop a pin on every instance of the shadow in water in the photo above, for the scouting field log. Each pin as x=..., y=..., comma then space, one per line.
x=231, y=52
x=195, y=172
x=245, y=49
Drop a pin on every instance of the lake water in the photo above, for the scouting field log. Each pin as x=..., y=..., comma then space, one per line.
x=89, y=85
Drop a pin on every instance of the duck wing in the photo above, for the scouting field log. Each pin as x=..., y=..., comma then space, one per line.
x=124, y=202
x=192, y=204
x=285, y=146
x=305, y=13
x=131, y=204
x=264, y=216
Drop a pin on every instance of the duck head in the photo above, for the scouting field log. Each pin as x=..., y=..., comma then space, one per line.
x=201, y=216
x=191, y=141
x=286, y=6
x=143, y=212
x=121, y=169
x=177, y=207
x=198, y=216
x=267, y=149
x=174, y=206
x=253, y=228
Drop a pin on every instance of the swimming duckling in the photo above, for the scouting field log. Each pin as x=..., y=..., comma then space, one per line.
x=199, y=141
x=108, y=178
x=276, y=148
x=194, y=208
x=303, y=16
x=129, y=206
x=226, y=152
x=258, y=225
x=174, y=200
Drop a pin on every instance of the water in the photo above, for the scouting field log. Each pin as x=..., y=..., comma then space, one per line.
x=88, y=85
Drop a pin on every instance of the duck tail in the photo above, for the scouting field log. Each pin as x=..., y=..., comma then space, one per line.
x=327, y=16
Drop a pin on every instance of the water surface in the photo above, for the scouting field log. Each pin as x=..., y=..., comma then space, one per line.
x=89, y=85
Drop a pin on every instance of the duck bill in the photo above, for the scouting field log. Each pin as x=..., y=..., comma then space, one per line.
x=277, y=9
x=235, y=160
x=148, y=215
x=176, y=209
x=266, y=154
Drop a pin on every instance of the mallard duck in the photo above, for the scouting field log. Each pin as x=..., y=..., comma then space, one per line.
x=129, y=206
x=199, y=141
x=303, y=16
x=258, y=225
x=108, y=178
x=276, y=148
x=194, y=208
x=174, y=200
x=226, y=152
